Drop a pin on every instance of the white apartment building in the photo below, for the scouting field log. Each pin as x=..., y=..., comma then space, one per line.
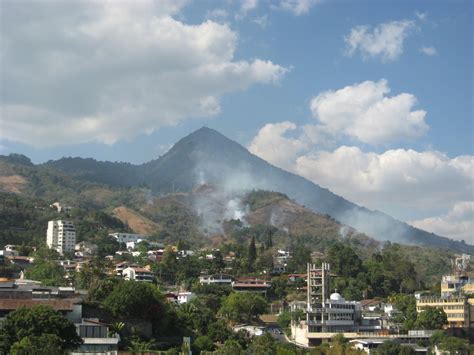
x=61, y=236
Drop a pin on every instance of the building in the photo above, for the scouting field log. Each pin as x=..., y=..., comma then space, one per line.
x=86, y=249
x=15, y=294
x=60, y=208
x=96, y=338
x=452, y=285
x=456, y=308
x=61, y=236
x=217, y=279
x=138, y=274
x=127, y=237
x=185, y=297
x=251, y=284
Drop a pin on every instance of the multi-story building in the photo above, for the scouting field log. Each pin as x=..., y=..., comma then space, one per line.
x=453, y=285
x=61, y=236
x=456, y=309
x=328, y=313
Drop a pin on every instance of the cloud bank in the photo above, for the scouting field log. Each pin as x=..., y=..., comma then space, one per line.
x=400, y=178
x=105, y=70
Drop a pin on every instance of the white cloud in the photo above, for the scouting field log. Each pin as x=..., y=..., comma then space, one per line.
x=458, y=223
x=105, y=70
x=271, y=145
x=217, y=14
x=262, y=21
x=298, y=7
x=429, y=50
x=397, y=180
x=384, y=41
x=400, y=177
x=365, y=112
x=421, y=15
x=247, y=5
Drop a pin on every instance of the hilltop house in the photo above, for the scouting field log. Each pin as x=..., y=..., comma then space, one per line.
x=138, y=274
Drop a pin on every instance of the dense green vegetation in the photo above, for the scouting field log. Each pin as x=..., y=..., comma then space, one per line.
x=27, y=329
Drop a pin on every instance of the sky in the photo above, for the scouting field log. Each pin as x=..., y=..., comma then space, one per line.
x=371, y=99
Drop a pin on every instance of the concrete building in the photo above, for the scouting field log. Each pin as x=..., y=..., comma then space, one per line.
x=452, y=285
x=127, y=237
x=185, y=297
x=457, y=309
x=252, y=284
x=219, y=279
x=138, y=274
x=61, y=236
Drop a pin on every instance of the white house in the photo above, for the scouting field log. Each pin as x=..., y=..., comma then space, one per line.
x=138, y=274
x=221, y=279
x=185, y=297
x=127, y=237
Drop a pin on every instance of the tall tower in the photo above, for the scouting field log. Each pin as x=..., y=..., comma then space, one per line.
x=319, y=284
x=61, y=236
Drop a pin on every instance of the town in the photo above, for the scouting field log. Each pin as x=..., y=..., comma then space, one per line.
x=145, y=296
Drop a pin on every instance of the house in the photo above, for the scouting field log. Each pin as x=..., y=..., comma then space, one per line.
x=251, y=284
x=296, y=277
x=138, y=274
x=185, y=297
x=120, y=266
x=96, y=338
x=127, y=237
x=220, y=279
x=60, y=208
x=14, y=295
x=372, y=305
x=10, y=250
x=86, y=249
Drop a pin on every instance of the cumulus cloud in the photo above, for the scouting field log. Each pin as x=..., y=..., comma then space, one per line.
x=109, y=70
x=401, y=177
x=298, y=7
x=458, y=223
x=384, y=40
x=365, y=112
x=430, y=51
x=271, y=144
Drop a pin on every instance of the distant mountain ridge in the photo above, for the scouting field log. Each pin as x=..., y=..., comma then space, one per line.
x=206, y=156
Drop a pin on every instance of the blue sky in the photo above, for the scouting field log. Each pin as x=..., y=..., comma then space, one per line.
x=372, y=99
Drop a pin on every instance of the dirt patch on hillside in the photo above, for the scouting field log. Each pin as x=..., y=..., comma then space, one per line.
x=13, y=183
x=138, y=223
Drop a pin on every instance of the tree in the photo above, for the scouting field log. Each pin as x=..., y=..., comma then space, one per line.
x=39, y=345
x=394, y=348
x=36, y=322
x=252, y=252
x=203, y=343
x=406, y=310
x=231, y=347
x=49, y=272
x=431, y=318
x=131, y=299
x=344, y=261
x=243, y=306
x=264, y=345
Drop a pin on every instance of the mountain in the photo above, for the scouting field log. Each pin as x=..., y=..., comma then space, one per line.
x=208, y=157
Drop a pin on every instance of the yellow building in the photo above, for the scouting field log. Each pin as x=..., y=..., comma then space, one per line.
x=457, y=309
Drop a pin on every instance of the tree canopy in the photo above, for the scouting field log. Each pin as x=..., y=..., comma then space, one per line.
x=37, y=322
